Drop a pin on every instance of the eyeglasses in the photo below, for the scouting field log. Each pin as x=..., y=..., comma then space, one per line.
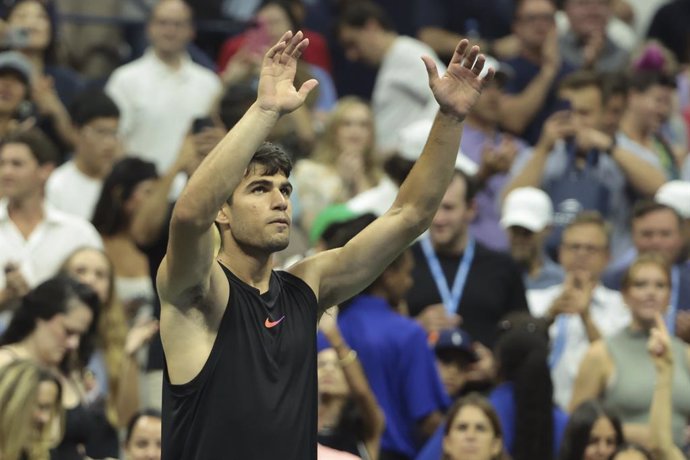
x=586, y=248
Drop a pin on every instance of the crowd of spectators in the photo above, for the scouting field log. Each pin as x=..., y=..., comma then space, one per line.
x=544, y=315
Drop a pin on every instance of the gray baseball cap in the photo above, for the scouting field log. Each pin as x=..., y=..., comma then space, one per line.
x=15, y=61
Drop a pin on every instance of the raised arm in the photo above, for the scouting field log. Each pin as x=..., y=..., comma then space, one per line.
x=339, y=274
x=186, y=270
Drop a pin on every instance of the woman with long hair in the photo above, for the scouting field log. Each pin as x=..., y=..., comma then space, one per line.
x=532, y=424
x=343, y=163
x=55, y=326
x=143, y=436
x=473, y=430
x=593, y=433
x=620, y=371
x=129, y=183
x=31, y=414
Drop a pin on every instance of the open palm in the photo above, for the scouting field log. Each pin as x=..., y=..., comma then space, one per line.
x=458, y=89
x=277, y=90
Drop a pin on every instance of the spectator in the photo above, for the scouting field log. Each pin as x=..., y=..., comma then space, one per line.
x=669, y=27
x=15, y=82
x=161, y=93
x=455, y=355
x=676, y=194
x=614, y=93
x=658, y=228
x=593, y=432
x=649, y=106
x=487, y=285
x=527, y=218
x=52, y=88
x=587, y=44
x=646, y=290
x=31, y=413
x=581, y=310
x=531, y=92
x=401, y=94
x=127, y=186
x=472, y=427
x=343, y=163
x=35, y=238
x=143, y=436
x=49, y=328
x=350, y=419
x=631, y=451
x=74, y=187
x=588, y=171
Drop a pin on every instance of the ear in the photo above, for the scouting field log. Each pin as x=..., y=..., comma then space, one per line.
x=471, y=210
x=223, y=215
x=496, y=448
x=45, y=171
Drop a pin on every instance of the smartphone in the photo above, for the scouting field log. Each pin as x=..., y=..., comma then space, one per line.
x=201, y=123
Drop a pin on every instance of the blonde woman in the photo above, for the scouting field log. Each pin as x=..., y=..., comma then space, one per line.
x=343, y=163
x=31, y=414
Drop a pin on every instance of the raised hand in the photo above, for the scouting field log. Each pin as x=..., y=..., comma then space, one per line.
x=659, y=344
x=457, y=90
x=277, y=92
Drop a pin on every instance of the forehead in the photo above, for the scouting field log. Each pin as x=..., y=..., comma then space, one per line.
x=16, y=151
x=535, y=6
x=584, y=232
x=147, y=426
x=78, y=316
x=586, y=95
x=172, y=9
x=90, y=258
x=456, y=190
x=348, y=33
x=657, y=218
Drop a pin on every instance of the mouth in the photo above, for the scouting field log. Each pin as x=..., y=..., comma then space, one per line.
x=281, y=221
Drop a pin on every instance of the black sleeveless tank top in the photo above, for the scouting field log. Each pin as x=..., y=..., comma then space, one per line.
x=256, y=396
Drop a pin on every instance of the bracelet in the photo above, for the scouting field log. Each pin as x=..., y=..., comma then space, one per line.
x=349, y=359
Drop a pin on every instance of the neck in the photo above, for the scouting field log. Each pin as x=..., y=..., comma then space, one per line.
x=252, y=268
x=172, y=60
x=87, y=169
x=638, y=326
x=28, y=208
x=534, y=266
x=531, y=54
x=330, y=410
x=454, y=247
x=634, y=128
x=487, y=127
x=386, y=42
x=36, y=59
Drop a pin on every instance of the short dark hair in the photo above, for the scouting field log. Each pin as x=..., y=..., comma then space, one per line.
x=148, y=412
x=641, y=81
x=581, y=79
x=273, y=158
x=648, y=206
x=613, y=84
x=357, y=13
x=41, y=147
x=471, y=185
x=91, y=104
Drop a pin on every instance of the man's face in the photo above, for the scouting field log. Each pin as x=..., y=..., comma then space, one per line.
x=13, y=91
x=488, y=106
x=398, y=279
x=170, y=27
x=259, y=215
x=525, y=244
x=613, y=112
x=658, y=231
x=358, y=43
x=584, y=248
x=587, y=17
x=652, y=106
x=99, y=144
x=20, y=174
x=534, y=20
x=453, y=216
x=587, y=108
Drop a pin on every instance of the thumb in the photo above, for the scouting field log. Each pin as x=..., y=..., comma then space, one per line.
x=306, y=88
x=431, y=69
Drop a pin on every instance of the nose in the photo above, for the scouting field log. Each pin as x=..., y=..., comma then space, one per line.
x=73, y=341
x=280, y=201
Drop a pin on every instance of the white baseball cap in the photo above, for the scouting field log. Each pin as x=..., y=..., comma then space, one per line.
x=675, y=194
x=527, y=207
x=412, y=138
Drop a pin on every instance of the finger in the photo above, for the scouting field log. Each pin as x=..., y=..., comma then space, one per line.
x=300, y=48
x=306, y=88
x=660, y=324
x=293, y=43
x=471, y=57
x=431, y=70
x=460, y=50
x=278, y=48
x=479, y=64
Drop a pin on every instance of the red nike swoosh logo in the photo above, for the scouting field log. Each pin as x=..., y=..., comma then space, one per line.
x=269, y=324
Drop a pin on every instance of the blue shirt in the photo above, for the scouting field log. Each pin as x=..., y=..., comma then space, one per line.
x=550, y=274
x=399, y=365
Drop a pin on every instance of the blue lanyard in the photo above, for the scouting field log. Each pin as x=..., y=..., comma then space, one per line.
x=673, y=308
x=559, y=342
x=450, y=298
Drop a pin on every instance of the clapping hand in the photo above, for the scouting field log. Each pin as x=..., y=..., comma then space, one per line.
x=458, y=89
x=277, y=92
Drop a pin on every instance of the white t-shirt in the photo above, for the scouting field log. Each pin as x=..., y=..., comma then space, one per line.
x=569, y=339
x=73, y=192
x=158, y=104
x=401, y=93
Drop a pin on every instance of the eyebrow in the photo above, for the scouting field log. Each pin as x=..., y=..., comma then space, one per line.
x=268, y=183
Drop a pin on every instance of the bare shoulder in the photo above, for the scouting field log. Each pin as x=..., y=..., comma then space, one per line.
x=311, y=269
x=6, y=357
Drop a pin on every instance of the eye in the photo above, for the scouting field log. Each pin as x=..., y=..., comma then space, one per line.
x=287, y=191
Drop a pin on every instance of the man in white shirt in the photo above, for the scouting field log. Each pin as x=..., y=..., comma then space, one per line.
x=74, y=187
x=401, y=94
x=161, y=93
x=581, y=310
x=35, y=238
